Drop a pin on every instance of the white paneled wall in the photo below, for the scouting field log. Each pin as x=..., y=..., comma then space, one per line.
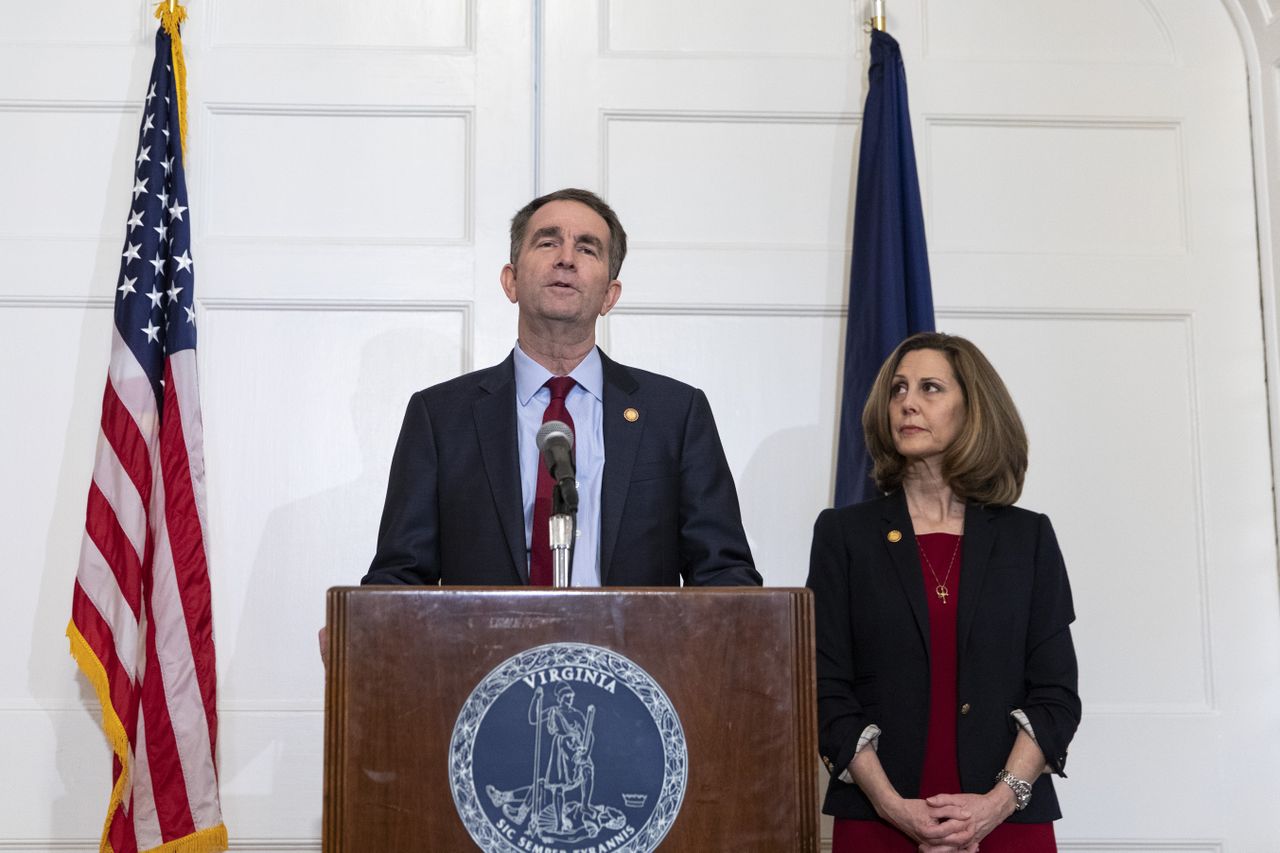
x=1109, y=375
x=1089, y=189
x=1032, y=177
x=1083, y=33
x=420, y=154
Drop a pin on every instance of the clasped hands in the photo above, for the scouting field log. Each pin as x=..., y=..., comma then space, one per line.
x=952, y=823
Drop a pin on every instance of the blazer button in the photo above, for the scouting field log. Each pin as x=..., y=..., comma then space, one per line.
x=964, y=709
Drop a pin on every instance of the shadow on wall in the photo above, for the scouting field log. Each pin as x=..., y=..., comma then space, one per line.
x=82, y=754
x=272, y=686
x=784, y=486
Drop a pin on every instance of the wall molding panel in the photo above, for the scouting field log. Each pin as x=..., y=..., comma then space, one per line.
x=841, y=35
x=1185, y=324
x=464, y=310
x=84, y=29
x=16, y=105
x=456, y=230
x=806, y=206
x=220, y=37
x=43, y=125
x=1135, y=164
x=38, y=301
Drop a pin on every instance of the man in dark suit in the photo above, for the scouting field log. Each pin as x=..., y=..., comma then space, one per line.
x=658, y=503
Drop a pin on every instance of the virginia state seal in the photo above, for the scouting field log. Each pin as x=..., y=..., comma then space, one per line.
x=568, y=748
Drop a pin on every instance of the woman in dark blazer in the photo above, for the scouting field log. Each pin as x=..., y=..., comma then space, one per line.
x=946, y=671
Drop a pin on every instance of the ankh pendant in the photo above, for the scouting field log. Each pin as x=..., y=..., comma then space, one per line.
x=941, y=591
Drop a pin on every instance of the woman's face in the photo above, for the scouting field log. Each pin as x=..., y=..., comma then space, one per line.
x=926, y=405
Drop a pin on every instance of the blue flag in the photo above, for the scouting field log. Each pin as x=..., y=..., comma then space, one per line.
x=889, y=293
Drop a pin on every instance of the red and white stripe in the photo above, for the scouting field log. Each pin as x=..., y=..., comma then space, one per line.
x=142, y=605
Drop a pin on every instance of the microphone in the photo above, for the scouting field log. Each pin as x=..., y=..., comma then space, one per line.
x=555, y=443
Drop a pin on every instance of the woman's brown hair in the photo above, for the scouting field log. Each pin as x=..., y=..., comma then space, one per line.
x=988, y=460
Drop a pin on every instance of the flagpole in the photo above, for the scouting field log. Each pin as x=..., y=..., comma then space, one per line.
x=877, y=16
x=889, y=287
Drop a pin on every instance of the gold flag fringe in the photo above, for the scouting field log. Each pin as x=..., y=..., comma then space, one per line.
x=171, y=16
x=211, y=840
x=97, y=675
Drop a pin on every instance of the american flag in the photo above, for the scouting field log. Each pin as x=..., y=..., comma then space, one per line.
x=141, y=618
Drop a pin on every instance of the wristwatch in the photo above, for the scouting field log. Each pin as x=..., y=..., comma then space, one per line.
x=1021, y=789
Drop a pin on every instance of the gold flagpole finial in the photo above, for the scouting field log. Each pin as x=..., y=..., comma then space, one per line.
x=171, y=15
x=877, y=16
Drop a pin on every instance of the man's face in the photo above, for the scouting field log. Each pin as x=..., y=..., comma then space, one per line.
x=562, y=274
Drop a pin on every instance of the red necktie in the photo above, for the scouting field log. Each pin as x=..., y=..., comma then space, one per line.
x=540, y=547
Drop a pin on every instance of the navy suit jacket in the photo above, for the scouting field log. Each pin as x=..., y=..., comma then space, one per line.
x=1013, y=643
x=454, y=513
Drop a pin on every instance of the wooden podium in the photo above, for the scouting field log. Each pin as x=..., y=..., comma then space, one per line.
x=410, y=671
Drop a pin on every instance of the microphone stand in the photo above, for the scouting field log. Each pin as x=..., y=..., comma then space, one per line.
x=564, y=516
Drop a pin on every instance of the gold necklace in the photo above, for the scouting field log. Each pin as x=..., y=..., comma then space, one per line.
x=941, y=589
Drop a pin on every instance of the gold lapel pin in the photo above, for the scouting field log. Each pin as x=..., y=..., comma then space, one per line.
x=894, y=536
x=630, y=414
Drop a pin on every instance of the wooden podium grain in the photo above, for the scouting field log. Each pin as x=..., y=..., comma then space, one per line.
x=737, y=665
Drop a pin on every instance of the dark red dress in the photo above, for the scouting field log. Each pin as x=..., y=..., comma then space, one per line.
x=941, y=772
